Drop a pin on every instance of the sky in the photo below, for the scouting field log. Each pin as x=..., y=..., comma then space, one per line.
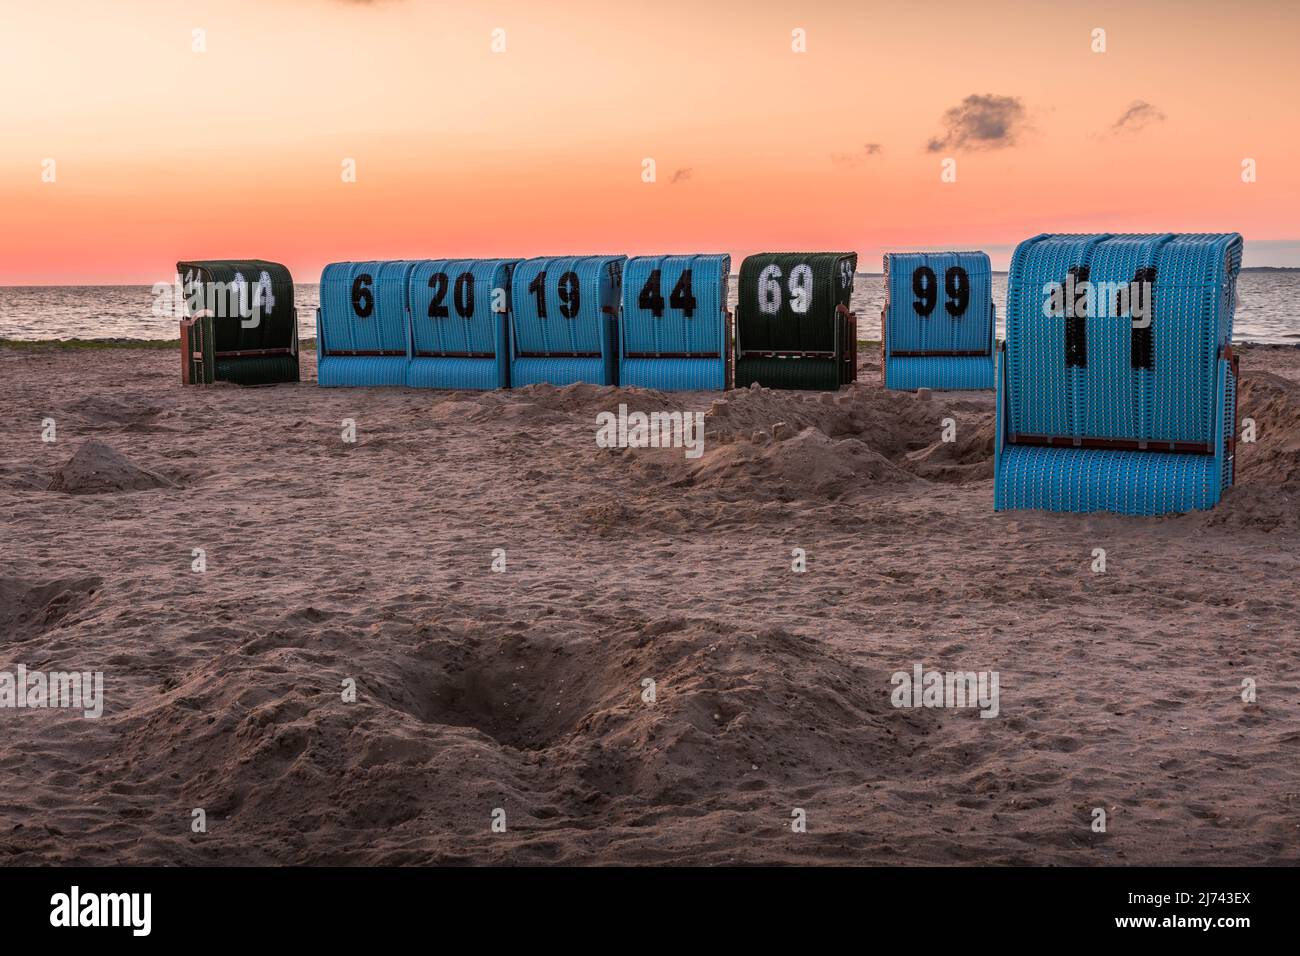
x=519, y=128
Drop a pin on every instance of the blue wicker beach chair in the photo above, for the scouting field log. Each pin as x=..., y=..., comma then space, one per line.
x=564, y=320
x=674, y=331
x=1114, y=402
x=459, y=314
x=362, y=329
x=937, y=326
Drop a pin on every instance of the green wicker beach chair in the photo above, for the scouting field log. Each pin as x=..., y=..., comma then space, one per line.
x=240, y=323
x=793, y=324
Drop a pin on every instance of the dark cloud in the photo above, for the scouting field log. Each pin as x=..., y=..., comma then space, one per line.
x=981, y=121
x=680, y=175
x=854, y=159
x=1139, y=115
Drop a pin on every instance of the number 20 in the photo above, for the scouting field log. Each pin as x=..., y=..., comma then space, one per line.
x=462, y=295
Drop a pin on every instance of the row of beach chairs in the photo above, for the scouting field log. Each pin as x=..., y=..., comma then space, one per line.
x=1124, y=403
x=654, y=321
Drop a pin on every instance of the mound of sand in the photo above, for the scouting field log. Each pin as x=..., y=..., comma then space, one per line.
x=890, y=423
x=97, y=468
x=769, y=444
x=895, y=425
x=794, y=444
x=810, y=463
x=968, y=458
x=28, y=609
x=582, y=401
x=544, y=404
x=1274, y=458
x=1266, y=491
x=556, y=726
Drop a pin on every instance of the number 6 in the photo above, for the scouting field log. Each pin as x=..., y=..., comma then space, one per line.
x=769, y=290
x=363, y=300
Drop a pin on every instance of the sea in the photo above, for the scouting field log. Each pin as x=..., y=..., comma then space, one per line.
x=1267, y=309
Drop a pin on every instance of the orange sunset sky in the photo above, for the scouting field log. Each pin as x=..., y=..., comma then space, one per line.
x=161, y=152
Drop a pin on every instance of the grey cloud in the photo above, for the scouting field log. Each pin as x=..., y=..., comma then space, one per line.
x=1139, y=115
x=981, y=121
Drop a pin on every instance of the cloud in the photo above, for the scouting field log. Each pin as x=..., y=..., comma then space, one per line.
x=981, y=122
x=855, y=159
x=1139, y=115
x=680, y=175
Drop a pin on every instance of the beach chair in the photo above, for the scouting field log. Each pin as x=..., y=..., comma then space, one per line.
x=564, y=320
x=937, y=326
x=362, y=328
x=793, y=324
x=1118, y=403
x=240, y=324
x=675, y=330
x=459, y=314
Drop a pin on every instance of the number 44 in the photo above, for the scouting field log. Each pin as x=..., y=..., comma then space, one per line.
x=651, y=297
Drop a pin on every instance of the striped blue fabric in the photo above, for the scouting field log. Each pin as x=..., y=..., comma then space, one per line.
x=939, y=372
x=674, y=375
x=348, y=370
x=1134, y=391
x=564, y=320
x=459, y=315
x=1091, y=479
x=362, y=331
x=673, y=325
x=937, y=302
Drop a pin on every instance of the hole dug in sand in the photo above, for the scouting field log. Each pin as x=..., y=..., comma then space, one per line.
x=553, y=726
x=726, y=700
x=522, y=693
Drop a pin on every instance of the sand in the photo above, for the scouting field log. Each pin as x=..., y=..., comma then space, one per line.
x=521, y=697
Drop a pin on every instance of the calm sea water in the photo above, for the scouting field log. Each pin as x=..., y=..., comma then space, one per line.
x=1266, y=309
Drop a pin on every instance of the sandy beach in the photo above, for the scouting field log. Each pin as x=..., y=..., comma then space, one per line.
x=520, y=696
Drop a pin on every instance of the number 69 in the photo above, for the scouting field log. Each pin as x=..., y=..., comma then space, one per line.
x=769, y=289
